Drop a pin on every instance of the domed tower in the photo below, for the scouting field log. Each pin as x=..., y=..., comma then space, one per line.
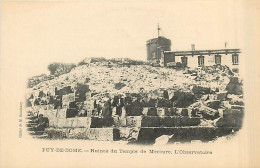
x=156, y=46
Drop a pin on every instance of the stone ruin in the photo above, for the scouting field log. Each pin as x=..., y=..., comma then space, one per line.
x=201, y=114
x=87, y=104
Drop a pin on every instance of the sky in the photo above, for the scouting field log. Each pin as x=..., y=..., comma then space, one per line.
x=35, y=34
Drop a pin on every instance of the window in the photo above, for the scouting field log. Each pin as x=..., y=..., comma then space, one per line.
x=201, y=60
x=235, y=59
x=217, y=59
x=184, y=61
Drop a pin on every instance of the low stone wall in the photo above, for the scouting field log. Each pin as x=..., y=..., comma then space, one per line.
x=98, y=122
x=99, y=134
x=143, y=129
x=70, y=122
x=232, y=118
x=129, y=121
x=181, y=134
x=142, y=135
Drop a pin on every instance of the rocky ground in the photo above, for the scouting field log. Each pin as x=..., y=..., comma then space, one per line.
x=166, y=98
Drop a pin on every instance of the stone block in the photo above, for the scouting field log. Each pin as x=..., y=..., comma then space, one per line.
x=63, y=91
x=61, y=113
x=133, y=121
x=133, y=135
x=164, y=131
x=129, y=134
x=170, y=111
x=70, y=122
x=77, y=133
x=222, y=95
x=162, y=102
x=220, y=122
x=50, y=107
x=171, y=121
x=150, y=121
x=200, y=90
x=149, y=102
x=81, y=88
x=50, y=114
x=52, y=122
x=68, y=98
x=186, y=134
x=183, y=99
x=146, y=136
x=221, y=131
x=178, y=111
x=213, y=104
x=124, y=132
x=209, y=113
x=80, y=97
x=119, y=85
x=160, y=111
x=103, y=134
x=55, y=133
x=234, y=88
x=227, y=112
x=119, y=121
x=184, y=112
x=194, y=121
x=83, y=122
x=238, y=119
x=145, y=111
x=73, y=105
x=60, y=123
x=122, y=122
x=152, y=111
x=185, y=121
x=71, y=112
x=233, y=118
x=233, y=80
x=136, y=111
x=98, y=122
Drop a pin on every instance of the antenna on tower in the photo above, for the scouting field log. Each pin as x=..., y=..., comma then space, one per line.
x=158, y=28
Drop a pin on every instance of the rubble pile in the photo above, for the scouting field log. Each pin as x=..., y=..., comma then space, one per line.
x=125, y=100
x=38, y=79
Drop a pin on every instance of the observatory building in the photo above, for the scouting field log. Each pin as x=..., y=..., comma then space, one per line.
x=159, y=51
x=156, y=46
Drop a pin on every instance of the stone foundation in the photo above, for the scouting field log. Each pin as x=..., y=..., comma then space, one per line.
x=99, y=134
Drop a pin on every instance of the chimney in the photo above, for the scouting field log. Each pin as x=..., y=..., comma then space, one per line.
x=192, y=47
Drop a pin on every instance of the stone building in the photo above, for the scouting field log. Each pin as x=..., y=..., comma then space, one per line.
x=159, y=50
x=199, y=58
x=156, y=46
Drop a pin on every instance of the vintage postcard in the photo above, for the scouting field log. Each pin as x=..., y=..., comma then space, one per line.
x=129, y=84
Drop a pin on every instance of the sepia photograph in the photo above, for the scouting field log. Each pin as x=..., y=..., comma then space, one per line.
x=141, y=79
x=171, y=97
x=140, y=88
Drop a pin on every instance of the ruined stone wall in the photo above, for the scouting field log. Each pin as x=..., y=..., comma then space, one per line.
x=190, y=110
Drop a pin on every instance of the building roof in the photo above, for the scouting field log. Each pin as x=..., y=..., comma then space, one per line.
x=204, y=52
x=150, y=40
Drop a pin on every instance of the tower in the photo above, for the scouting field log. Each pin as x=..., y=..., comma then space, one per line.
x=156, y=46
